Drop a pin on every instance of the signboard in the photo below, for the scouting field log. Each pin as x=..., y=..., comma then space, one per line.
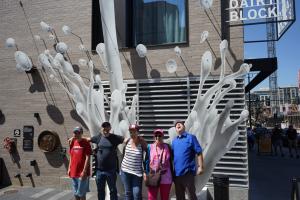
x=262, y=11
x=28, y=134
x=251, y=10
x=280, y=13
x=17, y=133
x=27, y=144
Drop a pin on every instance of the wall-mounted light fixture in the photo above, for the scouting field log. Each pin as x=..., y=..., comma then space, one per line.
x=33, y=163
x=36, y=115
x=17, y=175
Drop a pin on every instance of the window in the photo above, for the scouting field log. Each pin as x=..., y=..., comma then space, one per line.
x=157, y=22
x=149, y=22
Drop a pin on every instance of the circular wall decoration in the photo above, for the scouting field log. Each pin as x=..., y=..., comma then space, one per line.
x=48, y=141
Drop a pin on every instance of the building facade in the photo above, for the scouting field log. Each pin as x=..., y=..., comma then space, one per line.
x=288, y=99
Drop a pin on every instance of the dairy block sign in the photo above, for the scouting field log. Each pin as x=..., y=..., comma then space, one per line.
x=244, y=10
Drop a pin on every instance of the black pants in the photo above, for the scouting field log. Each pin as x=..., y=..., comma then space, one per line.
x=185, y=183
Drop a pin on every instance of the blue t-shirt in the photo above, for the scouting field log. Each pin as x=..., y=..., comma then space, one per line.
x=185, y=147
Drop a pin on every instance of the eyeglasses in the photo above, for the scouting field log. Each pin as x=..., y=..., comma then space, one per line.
x=133, y=132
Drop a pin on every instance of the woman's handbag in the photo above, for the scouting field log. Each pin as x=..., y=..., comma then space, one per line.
x=153, y=178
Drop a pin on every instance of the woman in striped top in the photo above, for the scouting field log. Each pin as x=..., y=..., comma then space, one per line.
x=132, y=165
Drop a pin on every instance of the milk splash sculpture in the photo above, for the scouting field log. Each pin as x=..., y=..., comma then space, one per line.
x=215, y=131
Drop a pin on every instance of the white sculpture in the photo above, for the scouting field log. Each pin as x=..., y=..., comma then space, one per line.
x=141, y=50
x=204, y=36
x=206, y=4
x=23, y=62
x=171, y=66
x=216, y=132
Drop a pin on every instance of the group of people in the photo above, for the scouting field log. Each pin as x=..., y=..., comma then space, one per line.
x=277, y=135
x=178, y=163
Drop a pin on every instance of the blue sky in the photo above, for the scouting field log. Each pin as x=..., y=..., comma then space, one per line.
x=287, y=49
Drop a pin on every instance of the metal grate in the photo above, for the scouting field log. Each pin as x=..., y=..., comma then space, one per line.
x=165, y=100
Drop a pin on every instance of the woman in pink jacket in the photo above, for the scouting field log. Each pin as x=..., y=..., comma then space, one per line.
x=158, y=157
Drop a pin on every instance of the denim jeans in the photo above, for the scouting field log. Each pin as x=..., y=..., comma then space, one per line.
x=110, y=178
x=132, y=185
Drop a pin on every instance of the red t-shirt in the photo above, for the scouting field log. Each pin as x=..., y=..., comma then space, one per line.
x=78, y=152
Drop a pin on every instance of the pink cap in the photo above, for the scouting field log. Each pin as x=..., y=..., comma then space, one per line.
x=158, y=132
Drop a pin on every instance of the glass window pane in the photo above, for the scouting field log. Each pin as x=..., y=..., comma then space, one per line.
x=157, y=22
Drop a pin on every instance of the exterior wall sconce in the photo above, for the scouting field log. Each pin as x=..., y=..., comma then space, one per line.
x=36, y=115
x=33, y=163
x=17, y=175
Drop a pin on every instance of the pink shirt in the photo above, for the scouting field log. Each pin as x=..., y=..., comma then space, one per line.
x=156, y=153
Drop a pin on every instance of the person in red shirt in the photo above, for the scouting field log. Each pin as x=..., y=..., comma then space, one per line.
x=79, y=167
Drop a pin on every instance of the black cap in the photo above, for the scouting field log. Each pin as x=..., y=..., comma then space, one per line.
x=105, y=125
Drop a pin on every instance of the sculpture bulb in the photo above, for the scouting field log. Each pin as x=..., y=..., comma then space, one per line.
x=141, y=50
x=100, y=48
x=204, y=36
x=45, y=27
x=10, y=42
x=82, y=62
x=66, y=30
x=177, y=51
x=61, y=47
x=171, y=66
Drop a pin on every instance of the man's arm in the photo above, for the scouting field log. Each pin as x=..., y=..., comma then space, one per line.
x=125, y=140
x=86, y=167
x=200, y=168
x=69, y=167
x=198, y=150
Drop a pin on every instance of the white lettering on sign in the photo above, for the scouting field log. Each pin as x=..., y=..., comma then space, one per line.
x=255, y=9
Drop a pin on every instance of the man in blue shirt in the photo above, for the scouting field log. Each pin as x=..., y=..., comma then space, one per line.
x=185, y=148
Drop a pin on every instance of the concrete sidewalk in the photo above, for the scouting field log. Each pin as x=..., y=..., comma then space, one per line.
x=271, y=176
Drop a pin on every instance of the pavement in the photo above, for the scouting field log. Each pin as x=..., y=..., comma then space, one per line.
x=39, y=193
x=43, y=193
x=271, y=176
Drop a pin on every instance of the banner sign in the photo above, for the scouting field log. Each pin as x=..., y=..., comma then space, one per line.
x=251, y=10
x=258, y=10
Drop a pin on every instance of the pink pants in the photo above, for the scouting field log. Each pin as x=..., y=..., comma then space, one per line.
x=164, y=192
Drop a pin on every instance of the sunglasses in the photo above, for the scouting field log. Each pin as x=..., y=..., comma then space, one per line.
x=157, y=135
x=76, y=132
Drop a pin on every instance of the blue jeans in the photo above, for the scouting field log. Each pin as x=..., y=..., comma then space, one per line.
x=132, y=185
x=109, y=177
x=80, y=186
